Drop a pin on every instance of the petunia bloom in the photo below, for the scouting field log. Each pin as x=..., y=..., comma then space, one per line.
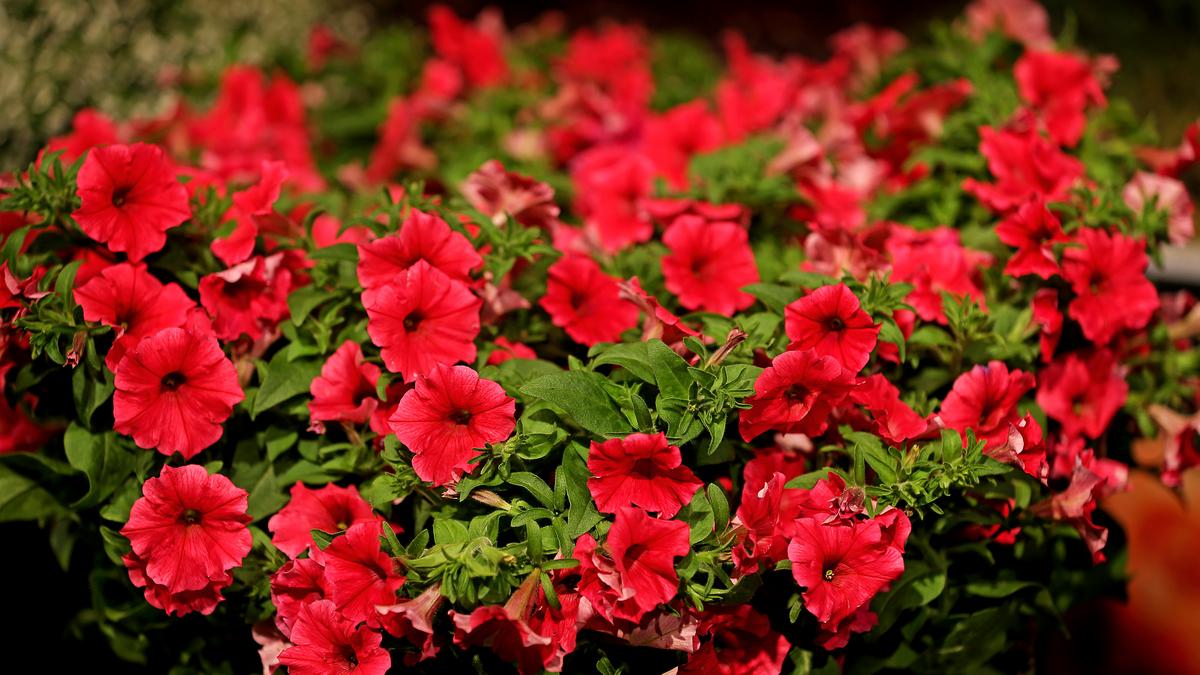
x=324, y=642
x=500, y=194
x=413, y=620
x=422, y=236
x=173, y=392
x=203, y=600
x=830, y=321
x=329, y=508
x=129, y=198
x=360, y=576
x=1108, y=274
x=187, y=530
x=708, y=265
x=1025, y=165
x=1033, y=230
x=1083, y=392
x=447, y=417
x=248, y=299
x=984, y=399
x=134, y=303
x=585, y=302
x=1167, y=195
x=796, y=394
x=1060, y=87
x=640, y=470
x=252, y=207
x=295, y=584
x=345, y=389
x=643, y=551
x=423, y=320
x=740, y=641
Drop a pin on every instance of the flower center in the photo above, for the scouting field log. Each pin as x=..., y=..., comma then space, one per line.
x=643, y=468
x=461, y=416
x=828, y=574
x=836, y=324
x=173, y=380
x=633, y=553
x=120, y=195
x=349, y=656
x=413, y=321
x=190, y=517
x=796, y=393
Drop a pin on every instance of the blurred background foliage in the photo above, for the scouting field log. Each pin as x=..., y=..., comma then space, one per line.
x=128, y=57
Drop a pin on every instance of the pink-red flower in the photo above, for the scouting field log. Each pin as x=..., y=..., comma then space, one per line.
x=474, y=49
x=325, y=642
x=249, y=298
x=984, y=399
x=935, y=262
x=609, y=181
x=345, y=389
x=1083, y=392
x=447, y=417
x=739, y=641
x=1165, y=194
x=329, y=508
x=413, y=620
x=423, y=320
x=1108, y=274
x=643, y=551
x=173, y=392
x=585, y=302
x=892, y=419
x=134, y=303
x=640, y=470
x=187, y=531
x=1025, y=166
x=708, y=265
x=1059, y=86
x=130, y=198
x=1033, y=230
x=359, y=575
x=796, y=394
x=831, y=322
x=297, y=583
x=422, y=236
x=499, y=194
x=674, y=137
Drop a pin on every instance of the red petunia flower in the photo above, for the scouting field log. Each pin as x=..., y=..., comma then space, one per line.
x=399, y=146
x=324, y=642
x=173, y=391
x=422, y=236
x=740, y=641
x=187, y=531
x=1033, y=230
x=831, y=322
x=796, y=394
x=297, y=583
x=90, y=128
x=640, y=470
x=449, y=415
x=413, y=620
x=359, y=574
x=603, y=587
x=134, y=303
x=658, y=323
x=674, y=137
x=507, y=350
x=345, y=389
x=585, y=302
x=527, y=630
x=1108, y=275
x=892, y=419
x=643, y=551
x=249, y=298
x=130, y=198
x=842, y=566
x=203, y=600
x=1025, y=165
x=423, y=320
x=1047, y=317
x=1083, y=392
x=474, y=49
x=935, y=261
x=984, y=399
x=609, y=182
x=1164, y=194
x=708, y=264
x=252, y=207
x=329, y=508
x=1059, y=87
x=500, y=194
x=1025, y=21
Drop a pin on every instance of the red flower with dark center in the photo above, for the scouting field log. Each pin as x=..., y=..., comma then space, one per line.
x=640, y=470
x=187, y=531
x=449, y=415
x=1033, y=230
x=830, y=321
x=935, y=261
x=130, y=198
x=203, y=600
x=740, y=642
x=984, y=400
x=423, y=236
x=325, y=642
x=585, y=302
x=708, y=264
x=134, y=303
x=500, y=194
x=297, y=583
x=796, y=394
x=249, y=298
x=345, y=389
x=609, y=182
x=1025, y=166
x=893, y=419
x=1060, y=87
x=360, y=576
x=423, y=320
x=1083, y=392
x=329, y=508
x=643, y=551
x=1108, y=274
x=252, y=207
x=173, y=392
x=674, y=137
x=842, y=566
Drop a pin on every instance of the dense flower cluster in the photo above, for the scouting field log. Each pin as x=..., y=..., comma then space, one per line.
x=576, y=363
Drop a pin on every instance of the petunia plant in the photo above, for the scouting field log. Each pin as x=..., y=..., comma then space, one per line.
x=600, y=351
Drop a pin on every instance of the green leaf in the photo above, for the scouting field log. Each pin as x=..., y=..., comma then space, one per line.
x=104, y=459
x=872, y=450
x=775, y=297
x=670, y=370
x=631, y=356
x=24, y=499
x=720, y=505
x=304, y=300
x=535, y=486
x=88, y=393
x=581, y=395
x=284, y=379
